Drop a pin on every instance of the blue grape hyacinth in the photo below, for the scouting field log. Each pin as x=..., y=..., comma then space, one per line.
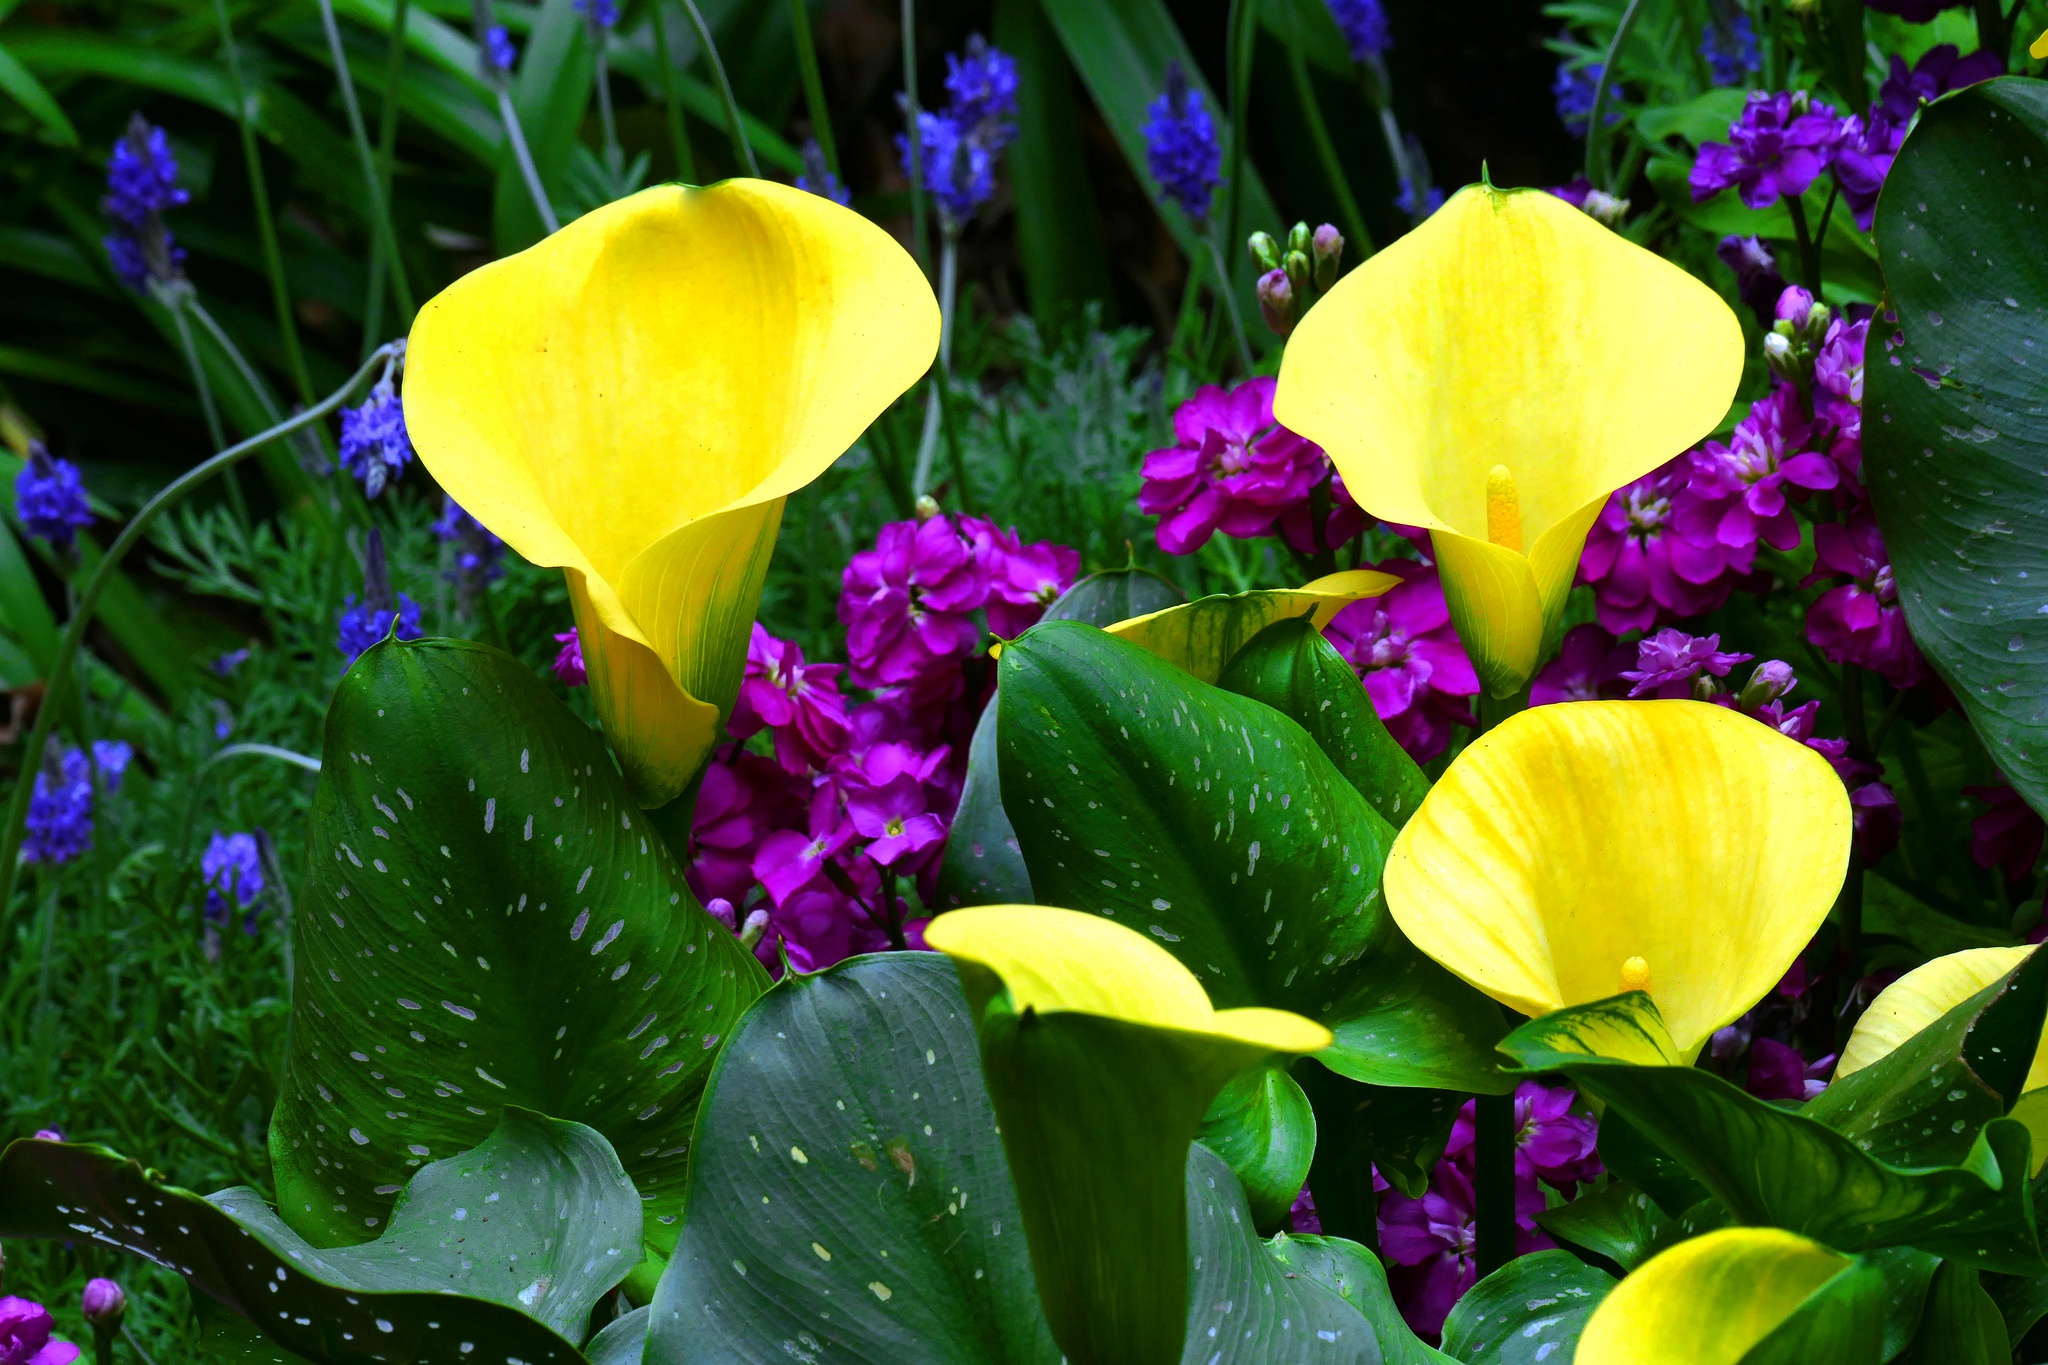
x=49, y=497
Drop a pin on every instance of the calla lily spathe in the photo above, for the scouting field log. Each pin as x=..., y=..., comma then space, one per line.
x=1585, y=849
x=1494, y=376
x=633, y=398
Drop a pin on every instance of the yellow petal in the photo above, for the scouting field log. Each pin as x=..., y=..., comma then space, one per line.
x=1571, y=839
x=2038, y=50
x=1510, y=331
x=1202, y=636
x=1924, y=995
x=632, y=398
x=1707, y=1301
x=1063, y=960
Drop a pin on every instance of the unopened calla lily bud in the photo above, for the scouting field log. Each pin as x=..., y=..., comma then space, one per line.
x=1328, y=248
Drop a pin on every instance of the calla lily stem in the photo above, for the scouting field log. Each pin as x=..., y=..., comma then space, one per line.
x=60, y=670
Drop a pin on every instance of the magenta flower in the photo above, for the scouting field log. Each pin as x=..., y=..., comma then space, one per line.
x=787, y=860
x=1408, y=656
x=893, y=815
x=2007, y=835
x=1861, y=622
x=1023, y=580
x=1552, y=1143
x=800, y=702
x=906, y=603
x=1878, y=821
x=1739, y=489
x=1346, y=522
x=1433, y=1241
x=1867, y=154
x=744, y=798
x=1779, y=146
x=1667, y=663
x=1587, y=668
x=568, y=663
x=1302, y=1217
x=1232, y=469
x=1838, y=393
x=1644, y=568
x=25, y=1329
x=1778, y=1072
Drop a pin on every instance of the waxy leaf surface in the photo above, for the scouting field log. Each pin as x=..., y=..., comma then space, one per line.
x=1530, y=1310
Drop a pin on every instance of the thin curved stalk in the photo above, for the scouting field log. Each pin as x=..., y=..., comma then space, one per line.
x=814, y=83
x=237, y=359
x=60, y=671
x=918, y=234
x=738, y=128
x=601, y=76
x=214, y=430
x=387, y=158
x=1326, y=150
x=380, y=213
x=949, y=289
x=291, y=756
x=672, y=102
x=1596, y=119
x=1244, y=32
x=266, y=227
x=524, y=156
x=1229, y=300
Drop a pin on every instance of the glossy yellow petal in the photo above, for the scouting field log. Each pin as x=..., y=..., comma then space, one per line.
x=1202, y=636
x=1511, y=361
x=632, y=398
x=1924, y=995
x=1707, y=1301
x=1063, y=960
x=2038, y=49
x=1577, y=851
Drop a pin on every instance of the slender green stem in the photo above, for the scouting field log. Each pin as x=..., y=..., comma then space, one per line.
x=1596, y=118
x=1820, y=236
x=949, y=286
x=601, y=77
x=920, y=235
x=672, y=101
x=235, y=357
x=128, y=1335
x=214, y=431
x=1493, y=1184
x=385, y=241
x=740, y=146
x=1244, y=34
x=387, y=161
x=1809, y=262
x=1326, y=151
x=266, y=229
x=1229, y=301
x=59, y=675
x=528, y=172
x=814, y=83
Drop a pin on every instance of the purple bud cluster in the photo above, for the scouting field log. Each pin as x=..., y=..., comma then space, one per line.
x=142, y=185
x=60, y=807
x=957, y=146
x=1181, y=148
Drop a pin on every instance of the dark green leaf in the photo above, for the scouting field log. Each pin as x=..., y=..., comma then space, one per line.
x=1840, y=1323
x=1361, y=1281
x=485, y=1253
x=982, y=864
x=849, y=1193
x=1953, y=439
x=623, y=1340
x=489, y=920
x=1960, y=1324
x=1619, y=1222
x=1290, y=667
x=1261, y=1124
x=1631, y=1157
x=1217, y=826
x=1529, y=1310
x=29, y=93
x=1103, y=599
x=2022, y=1300
x=1772, y=1166
x=1906, y=1275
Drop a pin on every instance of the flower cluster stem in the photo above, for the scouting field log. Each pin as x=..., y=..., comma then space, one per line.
x=920, y=238
x=387, y=158
x=672, y=101
x=523, y=155
x=1229, y=302
x=814, y=84
x=734, y=123
x=1493, y=1184
x=384, y=240
x=1360, y=239
x=1596, y=119
x=59, y=675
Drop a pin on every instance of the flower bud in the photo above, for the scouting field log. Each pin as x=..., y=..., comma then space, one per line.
x=1794, y=305
x=1772, y=679
x=104, y=1304
x=1605, y=208
x=927, y=507
x=1817, y=320
x=1299, y=272
x=1704, y=688
x=1276, y=302
x=720, y=909
x=1298, y=239
x=49, y=1135
x=756, y=925
x=1787, y=361
x=1265, y=251
x=1328, y=248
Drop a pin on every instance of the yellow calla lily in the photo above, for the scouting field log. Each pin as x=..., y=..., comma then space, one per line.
x=1707, y=1301
x=1575, y=852
x=1054, y=961
x=1494, y=375
x=633, y=398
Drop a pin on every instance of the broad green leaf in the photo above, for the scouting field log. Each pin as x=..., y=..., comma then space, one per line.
x=1840, y=1323
x=1907, y=1273
x=982, y=864
x=1261, y=1124
x=497, y=1253
x=1290, y=667
x=1204, y=635
x=1530, y=1310
x=1361, y=1281
x=1960, y=1324
x=1630, y=1156
x=1103, y=599
x=1772, y=1166
x=1953, y=437
x=2021, y=1299
x=1619, y=1222
x=849, y=1192
x=1704, y=118
x=19, y=83
x=1214, y=824
x=623, y=1340
x=488, y=920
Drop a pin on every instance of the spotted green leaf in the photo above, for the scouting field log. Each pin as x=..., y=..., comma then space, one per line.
x=1216, y=825
x=488, y=920
x=1262, y=1125
x=1530, y=1310
x=1618, y=1221
x=1361, y=1281
x=495, y=1254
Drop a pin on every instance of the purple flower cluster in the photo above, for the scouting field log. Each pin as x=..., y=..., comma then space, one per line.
x=1729, y=47
x=499, y=48
x=2008, y=834
x=479, y=554
x=1432, y=1242
x=231, y=869
x=1868, y=149
x=142, y=185
x=25, y=1339
x=958, y=145
x=374, y=445
x=599, y=14
x=847, y=798
x=818, y=178
x=1232, y=468
x=1181, y=147
x=1364, y=26
x=1573, y=89
x=60, y=807
x=568, y=661
x=367, y=622
x=49, y=497
x=1408, y=656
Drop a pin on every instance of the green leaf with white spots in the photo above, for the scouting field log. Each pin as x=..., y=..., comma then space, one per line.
x=1290, y=667
x=1361, y=1281
x=496, y=1254
x=1216, y=825
x=982, y=865
x=1103, y=599
x=1262, y=1125
x=849, y=1197
x=1531, y=1310
x=488, y=920
x=1619, y=1222
x=623, y=1340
